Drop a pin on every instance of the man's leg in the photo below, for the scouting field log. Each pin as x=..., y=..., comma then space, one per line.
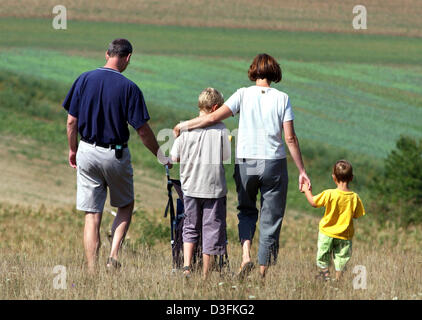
x=120, y=226
x=118, y=174
x=90, y=197
x=92, y=241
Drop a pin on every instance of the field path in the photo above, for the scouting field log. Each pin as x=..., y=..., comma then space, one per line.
x=384, y=16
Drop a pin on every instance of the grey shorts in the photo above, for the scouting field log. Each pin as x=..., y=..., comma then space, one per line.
x=210, y=216
x=97, y=169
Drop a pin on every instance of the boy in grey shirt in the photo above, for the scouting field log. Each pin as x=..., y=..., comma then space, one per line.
x=201, y=153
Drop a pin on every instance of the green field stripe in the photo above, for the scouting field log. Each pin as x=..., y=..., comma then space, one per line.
x=389, y=89
x=344, y=101
x=339, y=110
x=404, y=78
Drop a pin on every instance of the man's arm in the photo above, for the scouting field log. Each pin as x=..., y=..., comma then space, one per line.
x=148, y=139
x=203, y=121
x=72, y=139
x=293, y=144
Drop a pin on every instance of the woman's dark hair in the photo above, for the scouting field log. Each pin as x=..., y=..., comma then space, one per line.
x=119, y=47
x=265, y=67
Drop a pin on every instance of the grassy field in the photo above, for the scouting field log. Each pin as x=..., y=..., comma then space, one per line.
x=45, y=238
x=353, y=95
x=355, y=88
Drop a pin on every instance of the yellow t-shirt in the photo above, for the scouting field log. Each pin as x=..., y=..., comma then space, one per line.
x=340, y=209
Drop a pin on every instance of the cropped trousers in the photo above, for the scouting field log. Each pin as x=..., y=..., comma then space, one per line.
x=270, y=178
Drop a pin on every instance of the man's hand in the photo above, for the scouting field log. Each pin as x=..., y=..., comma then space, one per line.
x=72, y=159
x=165, y=161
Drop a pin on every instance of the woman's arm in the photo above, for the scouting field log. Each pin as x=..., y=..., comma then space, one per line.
x=293, y=144
x=203, y=121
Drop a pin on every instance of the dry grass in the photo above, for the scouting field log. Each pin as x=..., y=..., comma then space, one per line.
x=384, y=16
x=33, y=241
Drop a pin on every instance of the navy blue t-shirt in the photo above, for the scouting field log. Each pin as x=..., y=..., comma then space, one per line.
x=105, y=101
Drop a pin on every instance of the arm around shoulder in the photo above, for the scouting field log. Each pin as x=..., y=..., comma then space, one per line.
x=203, y=121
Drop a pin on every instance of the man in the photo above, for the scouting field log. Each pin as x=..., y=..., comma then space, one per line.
x=100, y=105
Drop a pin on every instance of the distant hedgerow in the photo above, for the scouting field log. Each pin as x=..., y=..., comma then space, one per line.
x=397, y=193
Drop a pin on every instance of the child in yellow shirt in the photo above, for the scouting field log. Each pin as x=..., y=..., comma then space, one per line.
x=336, y=227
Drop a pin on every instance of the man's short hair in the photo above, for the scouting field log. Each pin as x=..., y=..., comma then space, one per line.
x=210, y=97
x=119, y=47
x=265, y=67
x=343, y=171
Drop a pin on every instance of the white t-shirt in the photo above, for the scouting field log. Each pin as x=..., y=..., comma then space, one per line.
x=201, y=153
x=262, y=113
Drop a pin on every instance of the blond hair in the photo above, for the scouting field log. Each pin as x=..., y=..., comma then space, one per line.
x=210, y=97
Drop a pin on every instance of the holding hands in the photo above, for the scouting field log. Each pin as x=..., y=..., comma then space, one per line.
x=305, y=187
x=304, y=182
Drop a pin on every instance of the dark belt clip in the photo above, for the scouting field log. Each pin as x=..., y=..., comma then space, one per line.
x=118, y=151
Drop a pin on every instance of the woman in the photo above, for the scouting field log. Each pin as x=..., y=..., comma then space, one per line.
x=265, y=113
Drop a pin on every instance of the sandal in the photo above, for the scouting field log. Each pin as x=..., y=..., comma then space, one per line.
x=111, y=262
x=187, y=271
x=324, y=275
x=245, y=270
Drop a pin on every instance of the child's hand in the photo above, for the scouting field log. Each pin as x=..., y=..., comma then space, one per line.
x=305, y=187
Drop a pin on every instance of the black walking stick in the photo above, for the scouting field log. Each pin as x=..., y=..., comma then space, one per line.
x=176, y=220
x=170, y=206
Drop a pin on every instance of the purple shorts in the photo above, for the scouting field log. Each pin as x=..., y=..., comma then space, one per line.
x=210, y=216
